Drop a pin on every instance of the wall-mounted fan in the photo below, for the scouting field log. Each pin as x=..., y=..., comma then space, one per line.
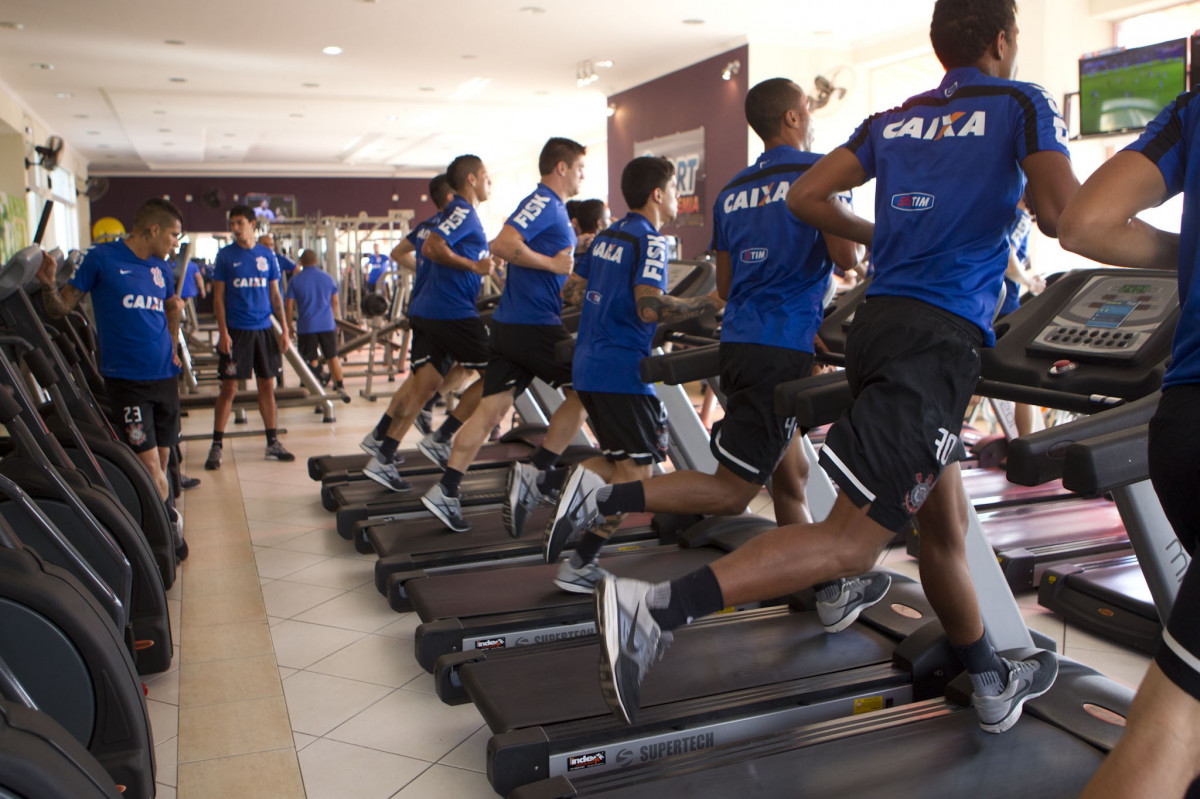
x=830, y=89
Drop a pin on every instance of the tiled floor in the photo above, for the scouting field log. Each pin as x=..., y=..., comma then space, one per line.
x=293, y=677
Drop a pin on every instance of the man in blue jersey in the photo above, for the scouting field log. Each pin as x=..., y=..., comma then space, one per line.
x=245, y=293
x=312, y=298
x=621, y=285
x=773, y=270
x=940, y=249
x=538, y=243
x=137, y=319
x=445, y=322
x=377, y=265
x=1159, y=752
x=286, y=265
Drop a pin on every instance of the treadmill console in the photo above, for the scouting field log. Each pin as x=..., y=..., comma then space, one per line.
x=1109, y=319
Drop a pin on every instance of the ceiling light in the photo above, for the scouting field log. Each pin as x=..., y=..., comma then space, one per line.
x=296, y=116
x=605, y=64
x=63, y=95
x=159, y=111
x=81, y=116
x=164, y=130
x=332, y=49
x=693, y=21
x=310, y=85
x=393, y=118
x=12, y=26
x=470, y=89
x=168, y=144
x=175, y=42
x=42, y=65
x=468, y=56
x=93, y=133
x=102, y=146
x=177, y=80
x=532, y=10
x=731, y=69
x=611, y=110
x=542, y=92
x=426, y=89
x=229, y=135
x=585, y=74
x=226, y=147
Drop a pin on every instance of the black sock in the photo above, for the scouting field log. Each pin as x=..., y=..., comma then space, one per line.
x=984, y=667
x=432, y=401
x=272, y=434
x=451, y=480
x=337, y=385
x=447, y=430
x=387, y=450
x=544, y=459
x=218, y=437
x=692, y=596
x=552, y=480
x=621, y=498
x=381, y=429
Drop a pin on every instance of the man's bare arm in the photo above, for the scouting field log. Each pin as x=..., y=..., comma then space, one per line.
x=437, y=250
x=511, y=246
x=813, y=198
x=57, y=304
x=277, y=307
x=654, y=306
x=573, y=290
x=405, y=255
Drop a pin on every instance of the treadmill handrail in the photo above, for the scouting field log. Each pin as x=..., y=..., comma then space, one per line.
x=1099, y=465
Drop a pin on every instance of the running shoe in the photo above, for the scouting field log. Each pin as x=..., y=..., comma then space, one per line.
x=214, y=458
x=447, y=509
x=386, y=475
x=575, y=513
x=1027, y=679
x=857, y=594
x=276, y=452
x=521, y=496
x=438, y=452
x=579, y=581
x=630, y=642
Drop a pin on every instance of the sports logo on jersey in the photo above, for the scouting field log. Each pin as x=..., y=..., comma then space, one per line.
x=754, y=255
x=262, y=264
x=939, y=127
x=657, y=254
x=608, y=251
x=158, y=277
x=951, y=89
x=756, y=196
x=531, y=211
x=142, y=302
x=594, y=296
x=136, y=434
x=912, y=201
x=456, y=218
x=919, y=493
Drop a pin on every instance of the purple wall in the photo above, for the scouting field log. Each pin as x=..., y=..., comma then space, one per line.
x=328, y=196
x=693, y=97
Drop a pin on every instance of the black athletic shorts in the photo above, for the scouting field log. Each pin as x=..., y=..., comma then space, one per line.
x=145, y=411
x=254, y=352
x=912, y=368
x=520, y=353
x=309, y=343
x=1175, y=473
x=442, y=342
x=751, y=439
x=628, y=426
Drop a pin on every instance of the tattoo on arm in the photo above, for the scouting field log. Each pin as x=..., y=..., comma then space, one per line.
x=59, y=304
x=573, y=290
x=663, y=308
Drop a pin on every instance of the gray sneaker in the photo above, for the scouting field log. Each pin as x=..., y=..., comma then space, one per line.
x=214, y=458
x=370, y=445
x=448, y=510
x=424, y=422
x=858, y=594
x=521, y=496
x=1027, y=679
x=630, y=642
x=579, y=581
x=575, y=512
x=276, y=452
x=387, y=475
x=438, y=452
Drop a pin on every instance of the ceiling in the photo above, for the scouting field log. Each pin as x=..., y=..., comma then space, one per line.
x=175, y=87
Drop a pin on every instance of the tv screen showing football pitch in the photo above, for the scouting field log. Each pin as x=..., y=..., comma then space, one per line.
x=1125, y=90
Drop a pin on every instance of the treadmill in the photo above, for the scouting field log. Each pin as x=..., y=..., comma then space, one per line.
x=930, y=747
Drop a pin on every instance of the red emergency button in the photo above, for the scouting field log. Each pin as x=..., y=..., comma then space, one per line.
x=1062, y=367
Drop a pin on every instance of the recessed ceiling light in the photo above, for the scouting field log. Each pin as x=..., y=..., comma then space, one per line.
x=542, y=92
x=12, y=26
x=605, y=64
x=102, y=146
x=426, y=89
x=177, y=80
x=168, y=144
x=823, y=33
x=164, y=130
x=393, y=118
x=310, y=85
x=42, y=65
x=468, y=56
x=81, y=116
x=226, y=147
x=296, y=116
x=159, y=111
x=532, y=10
x=693, y=21
x=229, y=135
x=332, y=49
x=63, y=95
x=175, y=42
x=93, y=133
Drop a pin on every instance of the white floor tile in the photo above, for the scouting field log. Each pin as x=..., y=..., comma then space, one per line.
x=166, y=762
x=405, y=626
x=471, y=754
x=422, y=684
x=164, y=791
x=1079, y=638
x=273, y=534
x=285, y=672
x=411, y=724
x=334, y=770
x=301, y=740
x=286, y=599
x=1047, y=623
x=319, y=542
x=319, y=702
x=1127, y=668
x=352, y=611
x=164, y=687
x=299, y=645
x=164, y=721
x=440, y=781
x=344, y=573
x=376, y=658
x=277, y=563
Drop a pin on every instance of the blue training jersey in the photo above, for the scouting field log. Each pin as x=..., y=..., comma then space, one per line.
x=1168, y=142
x=947, y=164
x=377, y=263
x=780, y=265
x=286, y=265
x=187, y=287
x=532, y=296
x=450, y=293
x=247, y=274
x=612, y=337
x=313, y=290
x=128, y=295
x=416, y=238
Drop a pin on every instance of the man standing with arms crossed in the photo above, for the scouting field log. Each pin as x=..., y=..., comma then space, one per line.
x=245, y=292
x=539, y=244
x=951, y=166
x=312, y=297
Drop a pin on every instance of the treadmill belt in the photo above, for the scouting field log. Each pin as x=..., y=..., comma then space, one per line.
x=423, y=536
x=990, y=487
x=1042, y=525
x=563, y=685
x=482, y=485
x=465, y=594
x=942, y=756
x=1123, y=585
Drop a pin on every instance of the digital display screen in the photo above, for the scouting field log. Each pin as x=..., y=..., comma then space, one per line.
x=1126, y=89
x=1131, y=289
x=1112, y=314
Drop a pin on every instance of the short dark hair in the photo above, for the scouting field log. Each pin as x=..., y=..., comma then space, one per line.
x=642, y=176
x=558, y=150
x=243, y=211
x=308, y=258
x=439, y=187
x=573, y=209
x=460, y=169
x=768, y=101
x=156, y=211
x=962, y=30
x=589, y=215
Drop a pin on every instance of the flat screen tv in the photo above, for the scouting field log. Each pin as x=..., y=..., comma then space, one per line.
x=1124, y=90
